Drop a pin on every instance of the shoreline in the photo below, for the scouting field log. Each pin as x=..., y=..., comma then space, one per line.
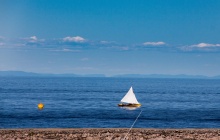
x=110, y=133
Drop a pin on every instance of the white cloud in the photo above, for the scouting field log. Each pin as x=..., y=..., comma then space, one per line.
x=154, y=43
x=201, y=47
x=204, y=45
x=105, y=42
x=74, y=39
x=33, y=38
x=65, y=50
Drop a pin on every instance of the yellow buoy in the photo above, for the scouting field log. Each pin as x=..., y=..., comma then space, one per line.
x=40, y=106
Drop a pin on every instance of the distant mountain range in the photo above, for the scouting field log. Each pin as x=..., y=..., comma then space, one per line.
x=31, y=74
x=162, y=76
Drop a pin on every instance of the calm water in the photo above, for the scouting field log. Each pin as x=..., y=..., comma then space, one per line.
x=92, y=102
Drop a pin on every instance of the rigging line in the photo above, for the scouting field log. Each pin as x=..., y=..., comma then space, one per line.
x=132, y=125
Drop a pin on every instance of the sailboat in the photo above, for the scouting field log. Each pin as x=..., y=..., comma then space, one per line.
x=129, y=100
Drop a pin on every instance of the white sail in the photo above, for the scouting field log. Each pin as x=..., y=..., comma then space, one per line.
x=130, y=97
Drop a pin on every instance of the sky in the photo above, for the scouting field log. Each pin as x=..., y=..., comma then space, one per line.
x=110, y=37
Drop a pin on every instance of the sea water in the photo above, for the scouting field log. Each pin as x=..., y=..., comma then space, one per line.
x=92, y=103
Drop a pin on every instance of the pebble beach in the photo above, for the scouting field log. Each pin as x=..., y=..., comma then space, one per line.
x=109, y=134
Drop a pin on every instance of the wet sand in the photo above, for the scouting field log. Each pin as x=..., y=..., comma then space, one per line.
x=109, y=134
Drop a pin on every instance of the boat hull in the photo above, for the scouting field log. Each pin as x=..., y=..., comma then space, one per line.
x=129, y=105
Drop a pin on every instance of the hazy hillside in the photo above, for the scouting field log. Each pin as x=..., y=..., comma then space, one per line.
x=31, y=74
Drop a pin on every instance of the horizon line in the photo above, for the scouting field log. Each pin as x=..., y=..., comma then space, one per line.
x=9, y=73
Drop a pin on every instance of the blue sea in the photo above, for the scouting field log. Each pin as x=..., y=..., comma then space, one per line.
x=92, y=103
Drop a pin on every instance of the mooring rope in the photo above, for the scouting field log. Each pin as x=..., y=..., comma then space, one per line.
x=132, y=125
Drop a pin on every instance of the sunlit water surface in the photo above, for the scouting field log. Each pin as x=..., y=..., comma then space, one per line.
x=92, y=103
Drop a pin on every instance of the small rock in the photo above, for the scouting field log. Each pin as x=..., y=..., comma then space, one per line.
x=89, y=138
x=84, y=135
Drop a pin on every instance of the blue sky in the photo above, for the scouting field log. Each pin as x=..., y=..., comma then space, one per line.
x=111, y=36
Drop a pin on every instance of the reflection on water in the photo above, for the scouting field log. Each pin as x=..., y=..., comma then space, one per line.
x=129, y=108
